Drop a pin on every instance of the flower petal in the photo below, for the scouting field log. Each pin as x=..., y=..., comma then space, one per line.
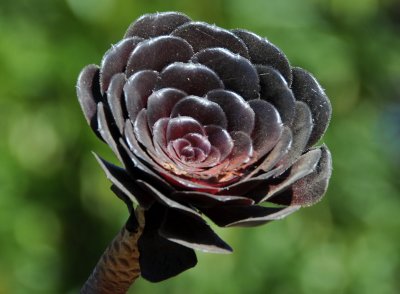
x=310, y=189
x=157, y=53
x=161, y=102
x=263, y=52
x=105, y=129
x=115, y=60
x=192, y=232
x=88, y=91
x=123, y=181
x=281, y=149
x=275, y=90
x=202, y=199
x=229, y=216
x=242, y=150
x=304, y=166
x=220, y=139
x=164, y=200
x=194, y=79
x=204, y=111
x=182, y=125
x=236, y=72
x=301, y=127
x=239, y=114
x=156, y=24
x=202, y=35
x=306, y=88
x=267, y=127
x=114, y=99
x=137, y=90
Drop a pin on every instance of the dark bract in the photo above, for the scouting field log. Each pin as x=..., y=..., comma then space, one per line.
x=205, y=121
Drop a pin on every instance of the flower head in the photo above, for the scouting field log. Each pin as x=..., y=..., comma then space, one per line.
x=205, y=121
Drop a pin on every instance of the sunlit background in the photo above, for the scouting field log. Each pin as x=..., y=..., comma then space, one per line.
x=57, y=213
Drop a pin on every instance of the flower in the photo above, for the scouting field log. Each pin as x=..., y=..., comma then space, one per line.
x=205, y=121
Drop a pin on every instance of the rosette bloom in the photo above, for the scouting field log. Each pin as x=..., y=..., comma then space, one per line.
x=206, y=122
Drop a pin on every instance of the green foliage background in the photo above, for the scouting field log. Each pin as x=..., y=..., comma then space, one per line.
x=57, y=213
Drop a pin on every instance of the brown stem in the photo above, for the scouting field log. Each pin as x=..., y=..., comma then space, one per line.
x=118, y=267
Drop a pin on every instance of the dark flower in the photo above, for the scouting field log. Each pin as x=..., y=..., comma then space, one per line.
x=205, y=121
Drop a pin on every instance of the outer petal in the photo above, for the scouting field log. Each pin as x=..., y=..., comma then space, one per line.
x=192, y=232
x=310, y=189
x=274, y=89
x=115, y=60
x=156, y=24
x=306, y=88
x=236, y=72
x=267, y=128
x=202, y=35
x=137, y=90
x=201, y=199
x=230, y=216
x=121, y=179
x=302, y=127
x=304, y=166
x=263, y=52
x=114, y=99
x=88, y=91
x=157, y=53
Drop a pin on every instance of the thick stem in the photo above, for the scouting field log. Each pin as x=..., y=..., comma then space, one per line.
x=118, y=267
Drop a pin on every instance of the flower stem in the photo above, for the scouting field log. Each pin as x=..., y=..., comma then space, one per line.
x=118, y=267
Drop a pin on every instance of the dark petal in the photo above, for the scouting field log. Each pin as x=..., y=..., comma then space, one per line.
x=194, y=79
x=157, y=24
x=301, y=129
x=263, y=52
x=236, y=72
x=304, y=166
x=310, y=189
x=87, y=89
x=229, y=216
x=202, y=35
x=161, y=102
x=201, y=199
x=275, y=90
x=137, y=90
x=123, y=181
x=114, y=97
x=157, y=53
x=160, y=139
x=281, y=149
x=192, y=232
x=138, y=169
x=182, y=125
x=160, y=258
x=242, y=150
x=220, y=139
x=239, y=114
x=133, y=143
x=267, y=127
x=115, y=60
x=105, y=129
x=306, y=88
x=164, y=200
x=142, y=132
x=204, y=111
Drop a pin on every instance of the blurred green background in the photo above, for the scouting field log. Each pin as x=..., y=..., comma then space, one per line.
x=57, y=213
